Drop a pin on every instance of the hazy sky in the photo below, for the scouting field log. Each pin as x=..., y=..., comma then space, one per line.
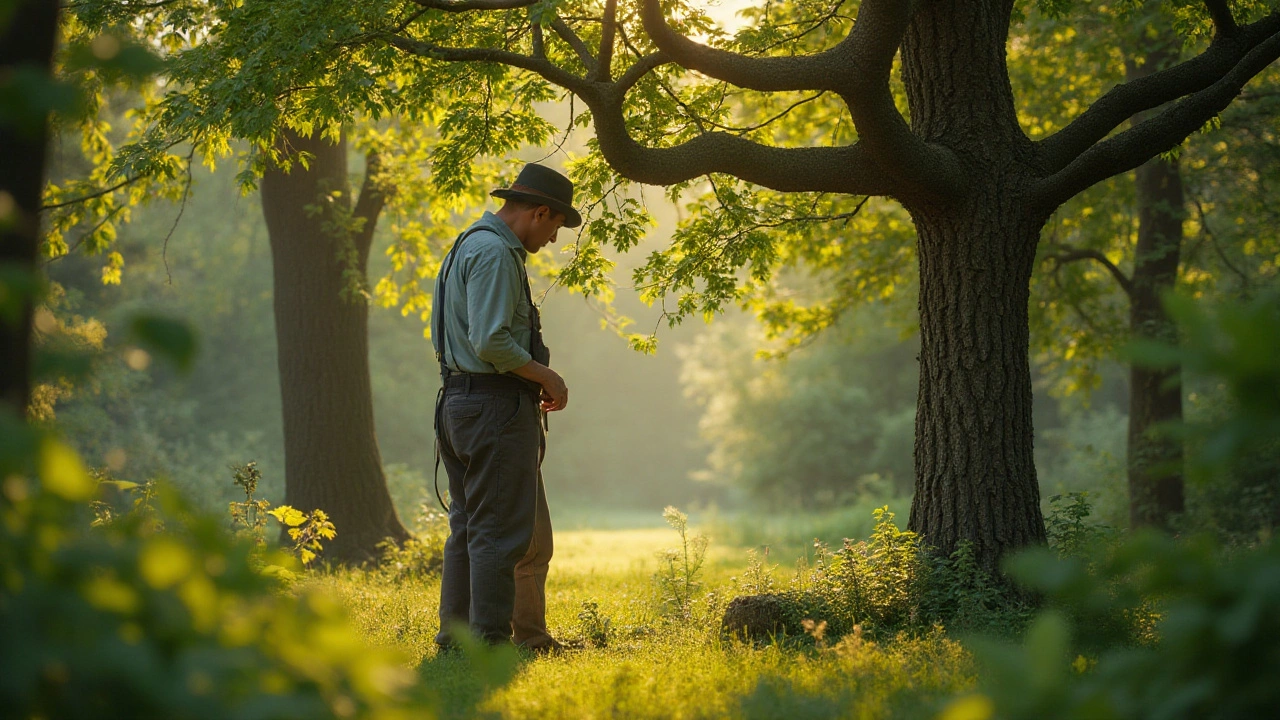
x=726, y=12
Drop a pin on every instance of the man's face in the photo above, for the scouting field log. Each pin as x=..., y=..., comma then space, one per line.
x=543, y=226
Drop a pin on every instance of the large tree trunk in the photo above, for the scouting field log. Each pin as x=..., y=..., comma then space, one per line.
x=1155, y=396
x=331, y=453
x=27, y=40
x=975, y=470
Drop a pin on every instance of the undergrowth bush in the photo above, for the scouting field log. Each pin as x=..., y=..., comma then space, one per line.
x=160, y=613
x=889, y=584
x=422, y=555
x=679, y=569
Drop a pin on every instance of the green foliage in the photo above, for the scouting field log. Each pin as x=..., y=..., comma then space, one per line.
x=757, y=579
x=1154, y=626
x=305, y=530
x=249, y=518
x=160, y=613
x=1066, y=524
x=1237, y=342
x=1217, y=633
x=593, y=626
x=830, y=424
x=1228, y=353
x=886, y=586
x=422, y=555
x=171, y=339
x=679, y=568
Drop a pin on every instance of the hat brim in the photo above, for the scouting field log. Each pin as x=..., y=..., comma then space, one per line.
x=572, y=218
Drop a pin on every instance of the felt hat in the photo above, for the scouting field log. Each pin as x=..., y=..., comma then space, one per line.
x=542, y=185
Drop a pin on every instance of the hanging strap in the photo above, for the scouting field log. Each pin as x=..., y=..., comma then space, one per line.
x=442, y=352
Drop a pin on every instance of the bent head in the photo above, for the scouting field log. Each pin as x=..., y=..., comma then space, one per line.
x=535, y=225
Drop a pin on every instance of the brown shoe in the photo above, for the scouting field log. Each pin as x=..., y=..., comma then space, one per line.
x=551, y=646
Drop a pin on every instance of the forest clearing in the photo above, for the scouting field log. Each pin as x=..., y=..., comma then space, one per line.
x=639, y=359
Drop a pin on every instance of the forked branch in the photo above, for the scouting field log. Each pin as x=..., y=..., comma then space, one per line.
x=1071, y=256
x=1159, y=133
x=1225, y=53
x=1223, y=21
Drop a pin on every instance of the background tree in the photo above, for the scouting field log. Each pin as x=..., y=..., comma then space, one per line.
x=320, y=241
x=1114, y=251
x=28, y=32
x=320, y=246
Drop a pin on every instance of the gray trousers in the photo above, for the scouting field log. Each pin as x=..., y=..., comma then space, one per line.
x=491, y=445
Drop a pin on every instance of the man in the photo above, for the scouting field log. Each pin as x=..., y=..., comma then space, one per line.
x=489, y=422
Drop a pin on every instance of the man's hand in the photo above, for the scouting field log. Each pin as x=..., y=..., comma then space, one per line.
x=555, y=394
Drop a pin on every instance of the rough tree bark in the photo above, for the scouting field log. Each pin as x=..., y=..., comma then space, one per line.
x=1155, y=458
x=331, y=452
x=975, y=470
x=977, y=188
x=27, y=41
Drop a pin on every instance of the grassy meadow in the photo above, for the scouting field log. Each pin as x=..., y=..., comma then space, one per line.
x=647, y=665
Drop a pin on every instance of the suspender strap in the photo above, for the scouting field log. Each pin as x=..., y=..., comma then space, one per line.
x=442, y=355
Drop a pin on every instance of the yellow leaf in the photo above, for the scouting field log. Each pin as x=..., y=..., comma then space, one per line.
x=163, y=563
x=969, y=707
x=109, y=593
x=288, y=516
x=63, y=474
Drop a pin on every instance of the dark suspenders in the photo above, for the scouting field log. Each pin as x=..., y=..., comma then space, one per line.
x=442, y=353
x=438, y=330
x=441, y=337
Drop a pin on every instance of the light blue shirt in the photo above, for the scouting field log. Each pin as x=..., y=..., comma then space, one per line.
x=486, y=315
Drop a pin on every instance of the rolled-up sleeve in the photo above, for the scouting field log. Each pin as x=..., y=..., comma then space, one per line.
x=493, y=290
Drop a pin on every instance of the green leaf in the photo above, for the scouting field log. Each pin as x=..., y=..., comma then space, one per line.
x=174, y=340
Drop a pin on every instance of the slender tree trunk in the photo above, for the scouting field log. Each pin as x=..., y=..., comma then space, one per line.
x=27, y=40
x=331, y=453
x=1155, y=396
x=975, y=471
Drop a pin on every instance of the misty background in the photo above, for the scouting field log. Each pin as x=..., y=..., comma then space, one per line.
x=704, y=424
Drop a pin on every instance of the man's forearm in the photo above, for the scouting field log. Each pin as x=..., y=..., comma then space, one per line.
x=534, y=371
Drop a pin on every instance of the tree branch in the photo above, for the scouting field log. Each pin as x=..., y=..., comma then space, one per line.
x=539, y=45
x=1223, y=22
x=858, y=68
x=1217, y=247
x=541, y=66
x=465, y=5
x=604, y=67
x=1128, y=99
x=1071, y=256
x=766, y=74
x=567, y=34
x=90, y=196
x=642, y=67
x=847, y=169
x=1160, y=133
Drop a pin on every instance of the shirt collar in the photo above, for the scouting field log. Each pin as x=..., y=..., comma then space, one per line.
x=499, y=226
